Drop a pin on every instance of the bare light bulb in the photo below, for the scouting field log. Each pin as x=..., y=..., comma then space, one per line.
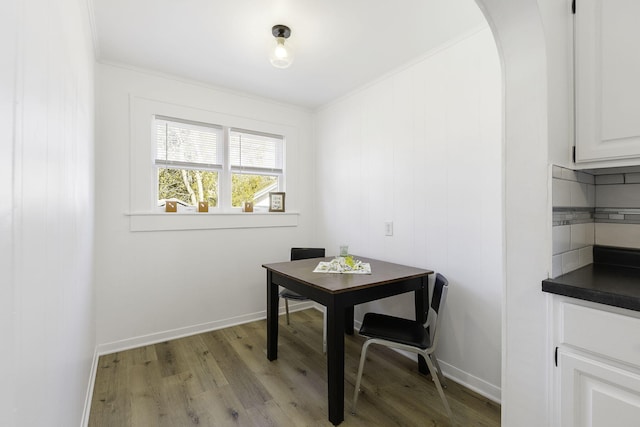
x=281, y=51
x=281, y=55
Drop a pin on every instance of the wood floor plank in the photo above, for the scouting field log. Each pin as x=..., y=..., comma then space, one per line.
x=249, y=391
x=178, y=400
x=197, y=356
x=142, y=355
x=169, y=363
x=110, y=404
x=270, y=415
x=147, y=404
x=219, y=407
x=223, y=378
x=287, y=383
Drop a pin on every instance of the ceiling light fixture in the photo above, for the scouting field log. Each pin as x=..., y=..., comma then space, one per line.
x=281, y=55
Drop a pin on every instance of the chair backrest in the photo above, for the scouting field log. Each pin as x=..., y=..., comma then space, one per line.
x=438, y=298
x=306, y=253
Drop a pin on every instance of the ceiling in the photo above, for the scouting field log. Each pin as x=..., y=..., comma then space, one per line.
x=340, y=45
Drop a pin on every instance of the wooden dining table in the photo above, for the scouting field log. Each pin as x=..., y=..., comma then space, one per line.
x=339, y=292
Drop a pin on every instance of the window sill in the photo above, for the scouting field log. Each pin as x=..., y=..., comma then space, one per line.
x=164, y=221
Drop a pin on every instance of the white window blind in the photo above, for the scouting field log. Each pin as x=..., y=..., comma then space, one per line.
x=188, y=145
x=253, y=152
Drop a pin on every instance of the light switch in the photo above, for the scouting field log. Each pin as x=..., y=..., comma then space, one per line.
x=388, y=228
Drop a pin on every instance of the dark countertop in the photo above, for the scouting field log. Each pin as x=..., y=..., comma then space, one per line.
x=612, y=279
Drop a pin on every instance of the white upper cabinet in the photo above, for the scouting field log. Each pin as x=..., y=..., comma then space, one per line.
x=607, y=73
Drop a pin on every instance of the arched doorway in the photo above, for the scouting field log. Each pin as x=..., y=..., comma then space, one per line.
x=517, y=28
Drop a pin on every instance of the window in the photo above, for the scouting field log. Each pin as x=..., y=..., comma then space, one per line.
x=189, y=159
x=256, y=167
x=197, y=162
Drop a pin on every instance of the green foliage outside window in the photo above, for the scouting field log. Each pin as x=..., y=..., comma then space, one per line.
x=244, y=187
x=188, y=186
x=193, y=186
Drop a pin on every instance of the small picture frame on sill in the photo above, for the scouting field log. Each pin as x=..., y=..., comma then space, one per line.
x=171, y=206
x=276, y=202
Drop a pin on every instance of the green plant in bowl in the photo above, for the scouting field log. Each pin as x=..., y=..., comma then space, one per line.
x=349, y=261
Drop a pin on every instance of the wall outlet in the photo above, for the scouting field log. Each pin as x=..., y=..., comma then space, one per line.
x=388, y=228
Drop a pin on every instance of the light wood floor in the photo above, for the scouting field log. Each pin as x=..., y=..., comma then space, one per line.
x=223, y=378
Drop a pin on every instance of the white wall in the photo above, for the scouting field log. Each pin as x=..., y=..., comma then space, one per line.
x=423, y=148
x=526, y=355
x=8, y=40
x=159, y=284
x=46, y=213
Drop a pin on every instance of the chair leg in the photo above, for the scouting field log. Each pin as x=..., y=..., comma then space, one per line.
x=363, y=356
x=434, y=359
x=286, y=307
x=436, y=380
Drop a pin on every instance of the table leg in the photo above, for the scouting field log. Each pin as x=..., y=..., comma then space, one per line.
x=348, y=320
x=272, y=318
x=335, y=362
x=421, y=303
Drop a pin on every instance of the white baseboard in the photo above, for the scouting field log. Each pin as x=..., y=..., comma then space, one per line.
x=92, y=382
x=466, y=379
x=472, y=382
x=157, y=337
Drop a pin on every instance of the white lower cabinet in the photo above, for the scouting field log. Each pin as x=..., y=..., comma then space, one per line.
x=598, y=366
x=597, y=394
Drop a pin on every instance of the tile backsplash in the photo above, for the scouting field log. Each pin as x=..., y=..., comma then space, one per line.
x=593, y=207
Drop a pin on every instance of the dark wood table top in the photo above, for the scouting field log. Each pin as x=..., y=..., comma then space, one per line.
x=382, y=272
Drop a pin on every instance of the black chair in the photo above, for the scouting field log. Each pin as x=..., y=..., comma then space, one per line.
x=286, y=294
x=408, y=335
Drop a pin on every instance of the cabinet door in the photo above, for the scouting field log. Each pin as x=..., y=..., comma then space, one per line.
x=607, y=73
x=596, y=394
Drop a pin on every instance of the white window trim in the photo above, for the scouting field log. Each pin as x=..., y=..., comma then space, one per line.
x=208, y=221
x=224, y=167
x=143, y=175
